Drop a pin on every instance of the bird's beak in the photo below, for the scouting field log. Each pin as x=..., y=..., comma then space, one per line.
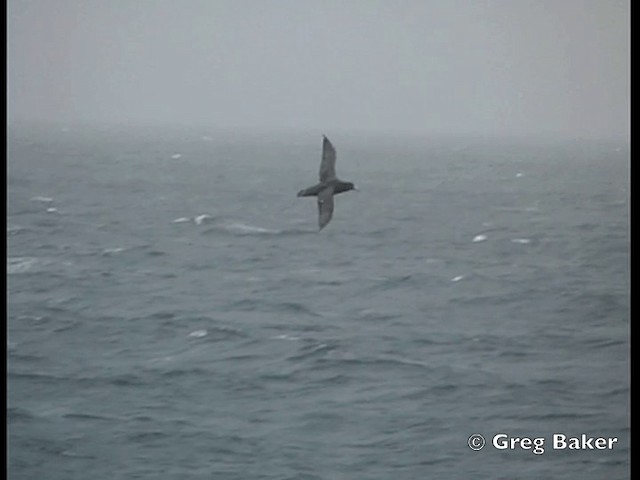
x=356, y=188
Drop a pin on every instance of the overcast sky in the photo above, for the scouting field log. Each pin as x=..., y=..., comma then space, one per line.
x=434, y=66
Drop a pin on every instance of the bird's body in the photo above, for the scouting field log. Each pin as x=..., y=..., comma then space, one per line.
x=329, y=184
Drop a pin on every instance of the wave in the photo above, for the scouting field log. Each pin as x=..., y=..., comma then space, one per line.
x=112, y=251
x=328, y=276
x=194, y=370
x=312, y=350
x=18, y=413
x=479, y=238
x=285, y=336
x=16, y=230
x=369, y=314
x=531, y=209
x=394, y=281
x=42, y=199
x=216, y=333
x=249, y=304
x=146, y=249
x=198, y=333
x=17, y=354
x=201, y=219
x=74, y=380
x=91, y=416
x=373, y=362
x=18, y=265
x=244, y=229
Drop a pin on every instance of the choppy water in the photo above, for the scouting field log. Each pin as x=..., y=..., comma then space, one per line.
x=173, y=313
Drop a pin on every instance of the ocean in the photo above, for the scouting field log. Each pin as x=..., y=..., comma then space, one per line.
x=174, y=313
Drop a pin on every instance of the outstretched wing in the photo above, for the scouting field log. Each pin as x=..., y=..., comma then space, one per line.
x=328, y=163
x=325, y=207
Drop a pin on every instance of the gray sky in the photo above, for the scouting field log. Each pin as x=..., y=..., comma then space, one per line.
x=433, y=66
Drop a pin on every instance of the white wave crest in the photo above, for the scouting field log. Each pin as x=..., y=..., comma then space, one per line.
x=245, y=229
x=42, y=199
x=286, y=337
x=198, y=334
x=112, y=251
x=200, y=219
x=479, y=238
x=16, y=265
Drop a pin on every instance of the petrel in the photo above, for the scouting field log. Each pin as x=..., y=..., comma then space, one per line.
x=329, y=185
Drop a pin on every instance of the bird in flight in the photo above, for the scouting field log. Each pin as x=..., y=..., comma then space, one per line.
x=329, y=185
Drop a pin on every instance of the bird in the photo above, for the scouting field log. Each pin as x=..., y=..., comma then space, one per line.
x=329, y=185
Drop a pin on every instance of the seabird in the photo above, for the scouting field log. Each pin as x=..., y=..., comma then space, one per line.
x=329, y=184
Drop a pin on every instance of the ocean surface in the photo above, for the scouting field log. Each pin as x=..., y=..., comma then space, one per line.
x=173, y=312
